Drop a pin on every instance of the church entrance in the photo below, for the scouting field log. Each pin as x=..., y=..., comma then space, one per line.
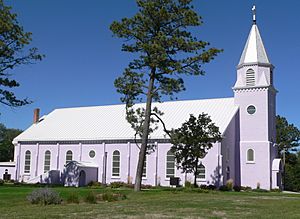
x=82, y=178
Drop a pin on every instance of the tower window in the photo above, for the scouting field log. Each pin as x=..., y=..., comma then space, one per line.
x=250, y=77
x=250, y=155
x=251, y=109
x=92, y=154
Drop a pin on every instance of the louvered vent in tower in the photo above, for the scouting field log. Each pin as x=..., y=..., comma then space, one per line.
x=250, y=77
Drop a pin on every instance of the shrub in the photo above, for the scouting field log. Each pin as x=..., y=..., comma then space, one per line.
x=110, y=197
x=229, y=184
x=258, y=185
x=146, y=186
x=44, y=196
x=223, y=188
x=91, y=198
x=208, y=187
x=260, y=190
x=275, y=190
x=246, y=188
x=73, y=197
x=237, y=188
x=203, y=187
x=115, y=185
x=211, y=187
x=1, y=182
x=188, y=184
x=94, y=184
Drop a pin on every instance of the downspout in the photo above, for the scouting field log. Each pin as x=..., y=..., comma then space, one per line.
x=156, y=164
x=37, y=159
x=18, y=166
x=57, y=156
x=80, y=155
x=104, y=164
x=129, y=155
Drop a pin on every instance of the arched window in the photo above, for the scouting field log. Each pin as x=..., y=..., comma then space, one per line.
x=116, y=164
x=145, y=167
x=27, y=162
x=250, y=155
x=201, y=171
x=170, y=167
x=250, y=77
x=47, y=161
x=69, y=156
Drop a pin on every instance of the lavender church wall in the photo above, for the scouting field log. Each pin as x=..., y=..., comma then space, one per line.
x=155, y=165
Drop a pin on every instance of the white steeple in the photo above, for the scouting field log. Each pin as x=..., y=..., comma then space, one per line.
x=254, y=50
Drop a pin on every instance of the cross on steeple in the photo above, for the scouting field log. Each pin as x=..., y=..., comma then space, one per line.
x=254, y=14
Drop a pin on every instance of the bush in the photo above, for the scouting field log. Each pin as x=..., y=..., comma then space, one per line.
x=188, y=184
x=73, y=197
x=203, y=187
x=44, y=196
x=95, y=184
x=223, y=188
x=91, y=198
x=1, y=182
x=208, y=187
x=110, y=197
x=115, y=185
x=246, y=188
x=258, y=185
x=260, y=190
x=211, y=187
x=275, y=190
x=237, y=188
x=229, y=184
x=146, y=186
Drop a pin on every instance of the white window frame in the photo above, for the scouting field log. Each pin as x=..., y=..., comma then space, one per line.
x=27, y=162
x=47, y=161
x=116, y=164
x=144, y=174
x=247, y=157
x=250, y=78
x=69, y=154
x=168, y=161
x=202, y=176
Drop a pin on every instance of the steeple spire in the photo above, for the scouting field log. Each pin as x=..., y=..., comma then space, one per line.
x=254, y=14
x=254, y=51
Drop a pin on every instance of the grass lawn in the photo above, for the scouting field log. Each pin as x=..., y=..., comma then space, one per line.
x=159, y=203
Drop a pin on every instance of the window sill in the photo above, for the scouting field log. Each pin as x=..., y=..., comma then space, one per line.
x=250, y=162
x=115, y=177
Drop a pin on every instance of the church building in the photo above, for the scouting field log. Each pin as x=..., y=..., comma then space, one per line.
x=74, y=146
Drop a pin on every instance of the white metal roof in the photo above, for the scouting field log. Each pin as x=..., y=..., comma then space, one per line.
x=254, y=50
x=109, y=123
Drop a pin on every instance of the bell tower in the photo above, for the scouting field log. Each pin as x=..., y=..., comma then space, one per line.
x=255, y=95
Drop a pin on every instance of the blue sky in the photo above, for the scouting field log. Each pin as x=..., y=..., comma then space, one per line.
x=83, y=58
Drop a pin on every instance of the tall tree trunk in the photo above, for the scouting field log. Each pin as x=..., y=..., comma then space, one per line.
x=195, y=174
x=140, y=166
